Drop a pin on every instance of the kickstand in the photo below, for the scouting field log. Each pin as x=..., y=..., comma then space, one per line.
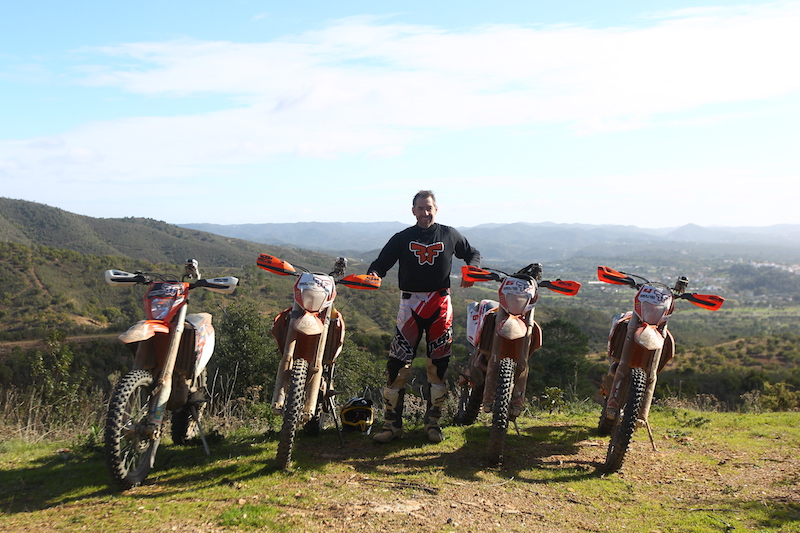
x=332, y=407
x=193, y=412
x=516, y=427
x=650, y=433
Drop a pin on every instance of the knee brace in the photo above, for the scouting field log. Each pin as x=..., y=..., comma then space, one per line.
x=436, y=369
x=397, y=373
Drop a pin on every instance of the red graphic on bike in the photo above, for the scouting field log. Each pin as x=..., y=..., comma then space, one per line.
x=426, y=253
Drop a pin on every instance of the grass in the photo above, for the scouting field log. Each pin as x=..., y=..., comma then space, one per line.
x=713, y=472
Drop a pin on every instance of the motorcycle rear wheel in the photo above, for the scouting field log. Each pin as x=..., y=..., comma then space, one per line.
x=314, y=427
x=502, y=408
x=129, y=453
x=184, y=425
x=292, y=411
x=605, y=424
x=469, y=405
x=625, y=423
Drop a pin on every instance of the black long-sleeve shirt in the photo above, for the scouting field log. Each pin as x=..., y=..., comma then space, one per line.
x=425, y=256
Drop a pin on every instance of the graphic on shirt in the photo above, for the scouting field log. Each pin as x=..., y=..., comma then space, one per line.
x=426, y=253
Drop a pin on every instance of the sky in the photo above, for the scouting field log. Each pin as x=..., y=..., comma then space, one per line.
x=243, y=111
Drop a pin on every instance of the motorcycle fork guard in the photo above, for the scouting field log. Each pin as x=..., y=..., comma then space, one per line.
x=163, y=388
x=284, y=371
x=519, y=350
x=150, y=354
x=635, y=356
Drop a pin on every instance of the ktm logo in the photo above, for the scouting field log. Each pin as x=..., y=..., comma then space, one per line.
x=426, y=253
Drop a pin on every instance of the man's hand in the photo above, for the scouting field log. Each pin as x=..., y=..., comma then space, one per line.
x=465, y=283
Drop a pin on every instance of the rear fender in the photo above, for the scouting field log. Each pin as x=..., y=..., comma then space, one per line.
x=204, y=340
x=476, y=316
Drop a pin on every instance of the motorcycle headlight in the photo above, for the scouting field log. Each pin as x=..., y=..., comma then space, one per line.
x=160, y=307
x=653, y=313
x=516, y=303
x=312, y=300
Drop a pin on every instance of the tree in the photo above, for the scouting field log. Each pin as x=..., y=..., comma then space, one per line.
x=246, y=355
x=561, y=361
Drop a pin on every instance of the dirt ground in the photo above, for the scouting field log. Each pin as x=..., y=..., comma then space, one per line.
x=558, y=493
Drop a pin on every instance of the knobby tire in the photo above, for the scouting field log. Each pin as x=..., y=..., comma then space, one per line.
x=292, y=411
x=605, y=424
x=129, y=455
x=184, y=426
x=502, y=408
x=314, y=427
x=625, y=423
x=469, y=405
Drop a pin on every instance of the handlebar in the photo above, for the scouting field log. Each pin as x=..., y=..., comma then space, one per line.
x=711, y=302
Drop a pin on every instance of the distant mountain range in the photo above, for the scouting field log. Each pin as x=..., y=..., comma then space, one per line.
x=524, y=241
x=31, y=223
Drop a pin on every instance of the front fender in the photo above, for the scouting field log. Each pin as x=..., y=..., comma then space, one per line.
x=512, y=328
x=308, y=324
x=649, y=337
x=143, y=330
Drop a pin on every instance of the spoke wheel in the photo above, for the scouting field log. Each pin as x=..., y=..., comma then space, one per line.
x=469, y=405
x=129, y=451
x=605, y=425
x=184, y=425
x=325, y=406
x=292, y=411
x=625, y=423
x=502, y=408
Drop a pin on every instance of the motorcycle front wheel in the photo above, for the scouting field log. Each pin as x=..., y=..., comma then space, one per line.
x=129, y=452
x=292, y=411
x=625, y=423
x=502, y=409
x=469, y=405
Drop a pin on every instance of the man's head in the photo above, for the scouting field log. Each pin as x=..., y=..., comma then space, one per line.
x=424, y=208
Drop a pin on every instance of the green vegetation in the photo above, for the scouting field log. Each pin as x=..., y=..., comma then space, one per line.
x=712, y=472
x=725, y=414
x=59, y=294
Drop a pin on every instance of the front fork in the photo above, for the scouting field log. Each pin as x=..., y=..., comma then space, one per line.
x=502, y=348
x=312, y=350
x=633, y=356
x=163, y=387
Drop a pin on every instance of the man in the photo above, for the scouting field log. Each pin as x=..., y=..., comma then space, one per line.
x=425, y=252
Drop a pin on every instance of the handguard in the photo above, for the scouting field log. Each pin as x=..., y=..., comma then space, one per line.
x=615, y=277
x=361, y=281
x=275, y=265
x=474, y=274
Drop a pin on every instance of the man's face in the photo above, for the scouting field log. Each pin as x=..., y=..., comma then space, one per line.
x=425, y=211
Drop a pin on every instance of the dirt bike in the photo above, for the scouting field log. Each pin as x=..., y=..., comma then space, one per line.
x=503, y=335
x=171, y=350
x=639, y=347
x=310, y=335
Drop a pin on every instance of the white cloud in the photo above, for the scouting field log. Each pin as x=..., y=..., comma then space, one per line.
x=363, y=70
x=368, y=86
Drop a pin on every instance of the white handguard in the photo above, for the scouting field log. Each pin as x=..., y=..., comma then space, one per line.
x=120, y=277
x=225, y=285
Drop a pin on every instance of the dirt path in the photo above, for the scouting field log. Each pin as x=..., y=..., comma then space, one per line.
x=41, y=344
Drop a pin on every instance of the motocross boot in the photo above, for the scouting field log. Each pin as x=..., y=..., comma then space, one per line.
x=436, y=397
x=393, y=416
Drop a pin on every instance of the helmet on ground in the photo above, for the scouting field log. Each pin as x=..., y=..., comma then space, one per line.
x=357, y=414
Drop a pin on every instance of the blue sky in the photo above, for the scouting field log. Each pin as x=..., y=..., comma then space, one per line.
x=250, y=111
